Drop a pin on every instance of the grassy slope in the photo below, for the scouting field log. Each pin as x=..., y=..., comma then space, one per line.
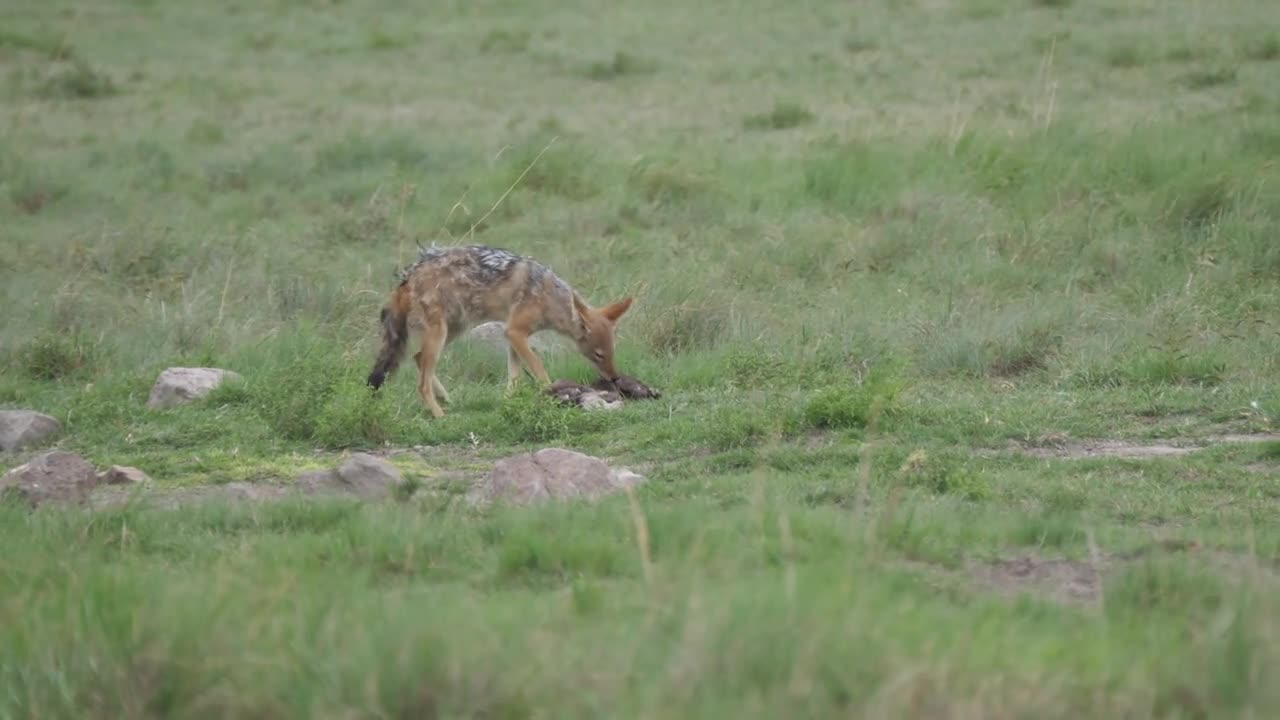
x=994, y=221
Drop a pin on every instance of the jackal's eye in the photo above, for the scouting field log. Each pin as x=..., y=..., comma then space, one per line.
x=599, y=354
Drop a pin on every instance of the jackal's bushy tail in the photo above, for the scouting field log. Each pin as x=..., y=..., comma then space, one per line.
x=395, y=334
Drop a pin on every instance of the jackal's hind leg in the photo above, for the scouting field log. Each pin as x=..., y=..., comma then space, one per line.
x=435, y=381
x=434, y=334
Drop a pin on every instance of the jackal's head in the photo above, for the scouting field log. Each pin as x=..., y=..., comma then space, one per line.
x=595, y=333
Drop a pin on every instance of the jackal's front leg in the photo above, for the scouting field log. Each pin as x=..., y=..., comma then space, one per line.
x=513, y=368
x=519, y=340
x=439, y=388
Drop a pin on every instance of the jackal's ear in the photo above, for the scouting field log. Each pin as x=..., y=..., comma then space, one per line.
x=583, y=313
x=580, y=305
x=615, y=310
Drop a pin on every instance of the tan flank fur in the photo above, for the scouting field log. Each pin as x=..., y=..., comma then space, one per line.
x=449, y=290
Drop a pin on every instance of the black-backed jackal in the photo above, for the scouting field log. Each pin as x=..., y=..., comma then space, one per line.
x=449, y=290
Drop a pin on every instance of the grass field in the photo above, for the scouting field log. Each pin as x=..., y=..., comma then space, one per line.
x=928, y=287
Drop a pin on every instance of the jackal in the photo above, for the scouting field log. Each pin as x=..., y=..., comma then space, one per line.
x=449, y=290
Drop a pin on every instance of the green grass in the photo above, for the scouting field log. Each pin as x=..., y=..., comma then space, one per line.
x=783, y=116
x=866, y=283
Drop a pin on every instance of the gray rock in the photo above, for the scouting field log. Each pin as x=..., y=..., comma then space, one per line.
x=122, y=475
x=177, y=386
x=361, y=475
x=24, y=428
x=53, y=477
x=494, y=335
x=551, y=474
x=320, y=482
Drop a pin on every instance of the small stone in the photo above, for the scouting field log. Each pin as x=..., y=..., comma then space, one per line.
x=122, y=475
x=177, y=386
x=53, y=477
x=25, y=428
x=362, y=475
x=551, y=474
x=494, y=335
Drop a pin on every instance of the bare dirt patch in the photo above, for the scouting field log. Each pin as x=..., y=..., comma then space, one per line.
x=1084, y=449
x=1107, y=449
x=114, y=497
x=1068, y=582
x=1081, y=583
x=1071, y=583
